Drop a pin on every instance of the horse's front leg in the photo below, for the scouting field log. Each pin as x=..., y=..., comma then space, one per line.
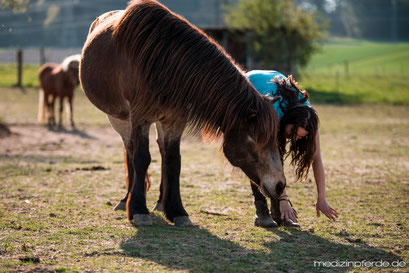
x=141, y=158
x=263, y=217
x=169, y=144
x=50, y=99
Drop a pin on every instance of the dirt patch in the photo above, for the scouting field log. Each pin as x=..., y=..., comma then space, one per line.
x=29, y=138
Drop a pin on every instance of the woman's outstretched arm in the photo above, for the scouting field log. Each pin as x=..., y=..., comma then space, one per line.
x=319, y=175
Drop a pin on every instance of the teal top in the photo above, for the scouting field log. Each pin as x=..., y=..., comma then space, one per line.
x=263, y=81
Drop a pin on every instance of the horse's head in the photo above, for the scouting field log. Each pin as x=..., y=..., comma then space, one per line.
x=261, y=162
x=71, y=65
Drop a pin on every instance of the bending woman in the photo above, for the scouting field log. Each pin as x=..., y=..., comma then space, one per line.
x=298, y=125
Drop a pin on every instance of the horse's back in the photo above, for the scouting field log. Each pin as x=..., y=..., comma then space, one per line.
x=48, y=75
x=100, y=66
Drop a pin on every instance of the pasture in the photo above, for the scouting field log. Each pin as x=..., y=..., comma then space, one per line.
x=58, y=189
x=351, y=71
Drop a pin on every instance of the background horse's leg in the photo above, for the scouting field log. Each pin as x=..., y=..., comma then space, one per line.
x=141, y=158
x=50, y=108
x=169, y=143
x=61, y=109
x=263, y=217
x=70, y=111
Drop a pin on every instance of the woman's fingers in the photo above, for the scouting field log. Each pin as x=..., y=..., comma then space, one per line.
x=295, y=213
x=328, y=213
x=334, y=212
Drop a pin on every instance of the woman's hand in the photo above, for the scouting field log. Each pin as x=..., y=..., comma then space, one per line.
x=287, y=212
x=323, y=206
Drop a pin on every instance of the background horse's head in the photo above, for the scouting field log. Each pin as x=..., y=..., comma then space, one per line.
x=70, y=65
x=256, y=155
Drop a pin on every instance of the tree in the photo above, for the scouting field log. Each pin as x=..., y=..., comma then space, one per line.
x=15, y=5
x=278, y=32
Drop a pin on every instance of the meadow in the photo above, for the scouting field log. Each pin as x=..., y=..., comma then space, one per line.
x=58, y=189
x=358, y=71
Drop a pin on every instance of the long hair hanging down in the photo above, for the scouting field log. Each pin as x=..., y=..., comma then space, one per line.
x=178, y=67
x=299, y=114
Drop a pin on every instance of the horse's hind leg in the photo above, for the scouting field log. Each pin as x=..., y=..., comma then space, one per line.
x=169, y=144
x=61, y=110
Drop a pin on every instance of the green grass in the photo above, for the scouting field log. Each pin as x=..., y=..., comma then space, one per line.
x=357, y=71
x=364, y=58
x=53, y=209
x=8, y=75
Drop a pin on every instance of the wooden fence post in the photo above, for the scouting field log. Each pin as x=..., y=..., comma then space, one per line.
x=42, y=55
x=346, y=69
x=19, y=68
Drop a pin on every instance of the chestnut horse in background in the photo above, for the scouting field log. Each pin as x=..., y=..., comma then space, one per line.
x=149, y=65
x=58, y=81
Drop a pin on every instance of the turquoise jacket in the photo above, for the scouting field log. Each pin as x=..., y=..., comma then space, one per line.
x=263, y=81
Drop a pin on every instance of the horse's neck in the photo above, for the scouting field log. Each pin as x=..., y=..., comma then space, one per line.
x=226, y=110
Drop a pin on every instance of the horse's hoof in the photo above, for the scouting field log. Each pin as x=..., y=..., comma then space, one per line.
x=182, y=221
x=265, y=222
x=158, y=207
x=120, y=206
x=142, y=220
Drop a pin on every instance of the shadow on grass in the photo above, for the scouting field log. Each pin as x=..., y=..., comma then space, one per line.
x=317, y=96
x=197, y=250
x=74, y=132
x=35, y=158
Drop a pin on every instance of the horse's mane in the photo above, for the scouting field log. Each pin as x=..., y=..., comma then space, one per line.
x=65, y=65
x=185, y=70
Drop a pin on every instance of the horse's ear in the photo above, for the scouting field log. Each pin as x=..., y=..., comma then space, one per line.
x=273, y=99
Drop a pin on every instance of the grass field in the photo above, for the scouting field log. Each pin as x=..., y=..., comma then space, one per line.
x=348, y=71
x=57, y=191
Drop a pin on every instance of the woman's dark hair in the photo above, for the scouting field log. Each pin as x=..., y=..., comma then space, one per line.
x=299, y=114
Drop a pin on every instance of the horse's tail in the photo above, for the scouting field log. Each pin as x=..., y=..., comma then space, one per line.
x=41, y=106
x=147, y=181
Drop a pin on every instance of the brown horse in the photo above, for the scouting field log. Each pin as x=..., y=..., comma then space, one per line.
x=148, y=65
x=58, y=81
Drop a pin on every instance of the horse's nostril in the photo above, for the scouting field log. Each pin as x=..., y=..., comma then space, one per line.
x=280, y=188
